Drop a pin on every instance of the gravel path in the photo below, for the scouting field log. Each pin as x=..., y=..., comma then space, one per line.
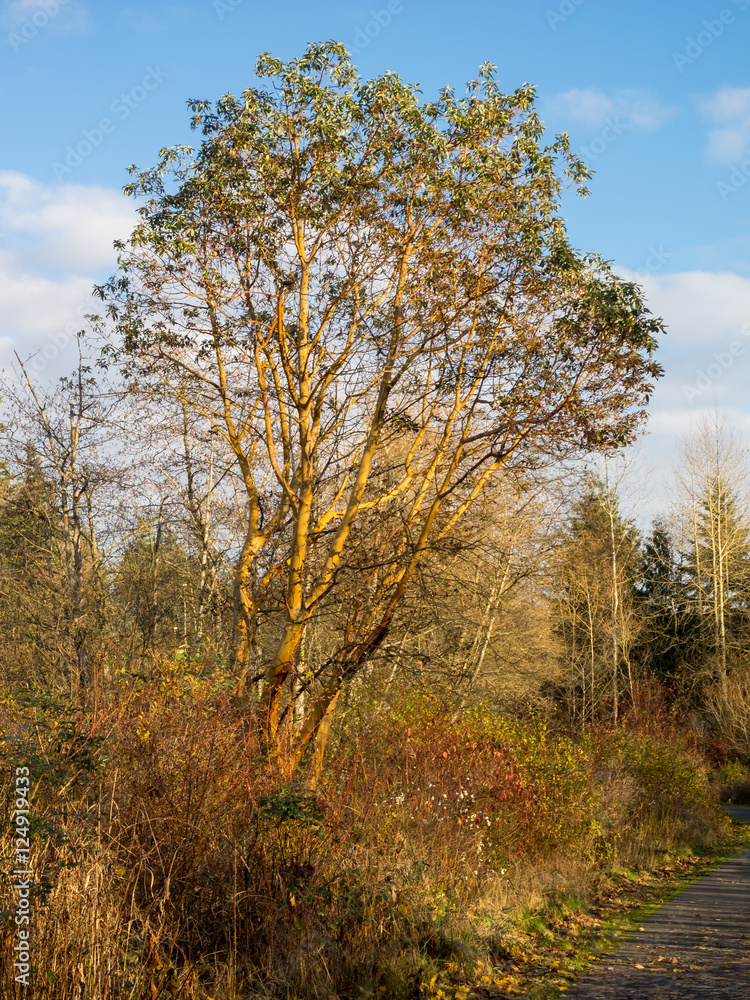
x=694, y=947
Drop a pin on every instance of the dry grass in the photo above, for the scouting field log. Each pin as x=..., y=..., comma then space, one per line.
x=175, y=857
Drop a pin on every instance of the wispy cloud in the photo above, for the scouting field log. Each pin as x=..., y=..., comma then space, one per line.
x=140, y=21
x=69, y=17
x=638, y=109
x=729, y=111
x=146, y=22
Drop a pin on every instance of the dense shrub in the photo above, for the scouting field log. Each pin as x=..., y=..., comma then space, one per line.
x=734, y=784
x=176, y=852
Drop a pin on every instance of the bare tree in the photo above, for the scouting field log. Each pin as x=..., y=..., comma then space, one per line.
x=69, y=431
x=598, y=564
x=712, y=518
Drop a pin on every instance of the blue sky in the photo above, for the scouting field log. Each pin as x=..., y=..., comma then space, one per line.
x=656, y=97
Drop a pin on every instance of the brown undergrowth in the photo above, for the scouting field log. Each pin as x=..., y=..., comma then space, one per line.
x=173, y=856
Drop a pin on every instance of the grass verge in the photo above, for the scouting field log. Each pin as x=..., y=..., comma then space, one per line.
x=569, y=936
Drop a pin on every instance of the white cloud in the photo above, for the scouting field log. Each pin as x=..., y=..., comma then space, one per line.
x=705, y=355
x=69, y=228
x=26, y=18
x=643, y=110
x=54, y=244
x=638, y=109
x=706, y=361
x=36, y=312
x=589, y=107
x=729, y=109
x=700, y=306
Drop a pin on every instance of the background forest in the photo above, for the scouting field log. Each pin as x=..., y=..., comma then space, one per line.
x=334, y=646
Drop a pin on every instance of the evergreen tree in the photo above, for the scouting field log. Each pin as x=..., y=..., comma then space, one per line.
x=32, y=574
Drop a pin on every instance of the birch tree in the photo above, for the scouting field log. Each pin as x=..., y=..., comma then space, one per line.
x=713, y=514
x=599, y=560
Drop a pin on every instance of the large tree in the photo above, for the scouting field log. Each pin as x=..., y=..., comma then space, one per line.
x=374, y=301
